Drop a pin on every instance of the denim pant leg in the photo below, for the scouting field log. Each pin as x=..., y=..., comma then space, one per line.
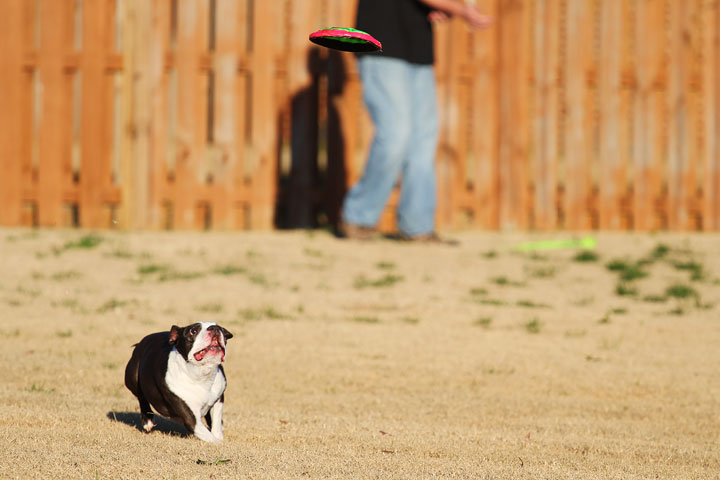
x=418, y=196
x=389, y=102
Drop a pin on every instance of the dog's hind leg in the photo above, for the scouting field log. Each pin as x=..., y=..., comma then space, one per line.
x=146, y=414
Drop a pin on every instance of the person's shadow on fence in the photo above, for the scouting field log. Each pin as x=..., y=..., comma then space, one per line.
x=162, y=425
x=310, y=196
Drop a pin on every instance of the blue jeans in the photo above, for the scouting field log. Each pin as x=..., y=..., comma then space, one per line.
x=402, y=102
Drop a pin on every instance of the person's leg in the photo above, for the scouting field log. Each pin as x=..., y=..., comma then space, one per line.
x=386, y=95
x=418, y=199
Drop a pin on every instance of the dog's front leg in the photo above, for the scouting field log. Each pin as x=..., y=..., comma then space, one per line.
x=216, y=420
x=202, y=432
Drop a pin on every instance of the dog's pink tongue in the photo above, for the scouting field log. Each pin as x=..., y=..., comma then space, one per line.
x=199, y=355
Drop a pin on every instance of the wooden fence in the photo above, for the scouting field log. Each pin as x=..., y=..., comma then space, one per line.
x=575, y=114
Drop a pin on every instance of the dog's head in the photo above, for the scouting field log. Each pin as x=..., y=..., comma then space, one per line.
x=200, y=343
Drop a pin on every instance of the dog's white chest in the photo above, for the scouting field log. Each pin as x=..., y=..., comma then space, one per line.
x=199, y=387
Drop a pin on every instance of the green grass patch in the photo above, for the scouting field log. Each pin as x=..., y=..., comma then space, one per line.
x=660, y=251
x=366, y=320
x=386, y=266
x=505, y=282
x=228, y=270
x=531, y=304
x=152, y=268
x=681, y=291
x=490, y=254
x=483, y=322
x=534, y=326
x=384, y=281
x=493, y=302
x=216, y=462
x=85, y=242
x=64, y=333
x=655, y=298
x=259, y=279
x=624, y=290
x=265, y=313
x=40, y=388
x=696, y=269
x=178, y=275
x=65, y=275
x=541, y=272
x=586, y=256
x=112, y=304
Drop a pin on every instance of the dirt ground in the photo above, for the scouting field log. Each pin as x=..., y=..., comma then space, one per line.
x=368, y=360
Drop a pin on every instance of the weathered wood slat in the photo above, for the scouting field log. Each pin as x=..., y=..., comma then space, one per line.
x=613, y=114
x=649, y=142
x=514, y=122
x=13, y=136
x=55, y=116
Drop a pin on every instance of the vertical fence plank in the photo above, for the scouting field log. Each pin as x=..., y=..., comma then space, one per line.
x=191, y=96
x=154, y=100
x=263, y=119
x=613, y=114
x=97, y=100
x=649, y=141
x=11, y=128
x=55, y=122
x=513, y=115
x=227, y=109
x=452, y=151
x=579, y=151
x=711, y=179
x=484, y=137
x=680, y=121
x=547, y=66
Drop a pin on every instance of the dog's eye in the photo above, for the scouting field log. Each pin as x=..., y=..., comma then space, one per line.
x=193, y=331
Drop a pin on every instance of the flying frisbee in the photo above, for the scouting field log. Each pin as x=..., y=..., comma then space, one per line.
x=346, y=39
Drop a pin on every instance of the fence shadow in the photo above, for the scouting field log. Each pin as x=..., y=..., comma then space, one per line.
x=163, y=425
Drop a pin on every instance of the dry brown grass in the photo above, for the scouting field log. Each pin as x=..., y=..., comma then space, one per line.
x=377, y=360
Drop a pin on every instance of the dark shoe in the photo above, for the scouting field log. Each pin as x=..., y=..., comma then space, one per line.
x=431, y=237
x=357, y=232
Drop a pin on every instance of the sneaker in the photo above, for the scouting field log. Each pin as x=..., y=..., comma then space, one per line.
x=356, y=232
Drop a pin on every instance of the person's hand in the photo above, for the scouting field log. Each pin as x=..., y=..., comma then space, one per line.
x=437, y=16
x=474, y=18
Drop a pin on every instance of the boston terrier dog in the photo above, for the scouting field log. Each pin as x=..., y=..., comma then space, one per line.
x=179, y=374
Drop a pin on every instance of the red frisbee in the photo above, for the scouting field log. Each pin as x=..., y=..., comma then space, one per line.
x=346, y=39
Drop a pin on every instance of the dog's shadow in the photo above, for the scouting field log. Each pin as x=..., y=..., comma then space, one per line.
x=162, y=425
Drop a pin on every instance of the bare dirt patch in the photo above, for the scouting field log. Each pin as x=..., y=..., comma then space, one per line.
x=368, y=360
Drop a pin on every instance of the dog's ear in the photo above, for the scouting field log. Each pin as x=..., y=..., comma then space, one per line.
x=226, y=334
x=174, y=334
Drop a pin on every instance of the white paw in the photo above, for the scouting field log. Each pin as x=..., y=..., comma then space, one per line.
x=206, y=436
x=149, y=425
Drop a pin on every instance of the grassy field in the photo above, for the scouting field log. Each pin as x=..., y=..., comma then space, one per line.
x=368, y=360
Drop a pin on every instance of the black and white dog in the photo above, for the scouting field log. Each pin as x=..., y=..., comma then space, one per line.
x=179, y=374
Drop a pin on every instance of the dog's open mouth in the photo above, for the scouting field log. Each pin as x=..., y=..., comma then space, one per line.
x=213, y=349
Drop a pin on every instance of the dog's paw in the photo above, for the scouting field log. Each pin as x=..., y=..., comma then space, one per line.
x=148, y=425
x=206, y=436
